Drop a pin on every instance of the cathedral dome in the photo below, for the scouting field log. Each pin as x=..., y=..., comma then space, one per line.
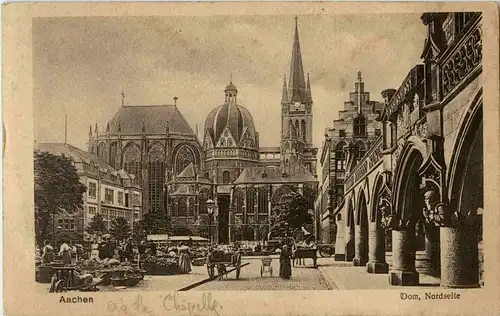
x=234, y=121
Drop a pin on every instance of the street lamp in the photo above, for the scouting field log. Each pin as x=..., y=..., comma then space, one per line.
x=210, y=209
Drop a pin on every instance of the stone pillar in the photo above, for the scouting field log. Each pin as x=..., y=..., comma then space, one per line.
x=349, y=245
x=376, y=253
x=403, y=258
x=459, y=257
x=432, y=249
x=361, y=246
x=340, y=245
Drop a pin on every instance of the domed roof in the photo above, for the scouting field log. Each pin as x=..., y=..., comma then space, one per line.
x=231, y=87
x=235, y=117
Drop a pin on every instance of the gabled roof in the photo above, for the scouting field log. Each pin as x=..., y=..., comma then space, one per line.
x=131, y=119
x=188, y=172
x=78, y=155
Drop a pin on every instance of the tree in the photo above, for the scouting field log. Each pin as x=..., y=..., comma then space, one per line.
x=153, y=222
x=97, y=225
x=120, y=229
x=289, y=215
x=57, y=189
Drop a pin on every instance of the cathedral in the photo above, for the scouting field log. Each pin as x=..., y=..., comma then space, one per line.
x=179, y=173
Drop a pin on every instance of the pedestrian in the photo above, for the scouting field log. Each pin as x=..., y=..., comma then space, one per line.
x=285, y=263
x=152, y=246
x=94, y=253
x=184, y=263
x=141, y=249
x=47, y=252
x=65, y=252
x=129, y=250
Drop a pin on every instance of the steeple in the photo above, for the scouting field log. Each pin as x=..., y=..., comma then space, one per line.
x=309, y=97
x=296, y=82
x=284, y=96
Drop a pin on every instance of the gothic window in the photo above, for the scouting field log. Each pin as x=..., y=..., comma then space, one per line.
x=303, y=130
x=297, y=129
x=229, y=142
x=156, y=178
x=222, y=142
x=250, y=200
x=340, y=156
x=113, y=150
x=360, y=150
x=202, y=201
x=239, y=196
x=132, y=161
x=182, y=207
x=101, y=150
x=184, y=157
x=226, y=177
x=359, y=126
x=190, y=206
x=263, y=205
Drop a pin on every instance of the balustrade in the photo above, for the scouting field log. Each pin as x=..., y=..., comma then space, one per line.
x=369, y=161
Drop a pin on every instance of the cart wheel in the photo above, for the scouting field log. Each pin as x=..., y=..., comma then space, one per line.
x=210, y=269
x=61, y=286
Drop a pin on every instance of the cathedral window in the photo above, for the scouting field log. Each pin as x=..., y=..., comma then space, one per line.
x=263, y=205
x=156, y=178
x=182, y=207
x=132, y=161
x=202, y=201
x=239, y=196
x=226, y=177
x=250, y=200
x=340, y=157
x=359, y=126
x=184, y=157
x=113, y=150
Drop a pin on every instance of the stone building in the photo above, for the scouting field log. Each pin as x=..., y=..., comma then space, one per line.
x=356, y=126
x=110, y=192
x=425, y=173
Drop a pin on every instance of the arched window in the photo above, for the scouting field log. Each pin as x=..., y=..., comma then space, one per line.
x=202, y=201
x=263, y=203
x=113, y=151
x=250, y=200
x=184, y=157
x=360, y=150
x=226, y=178
x=340, y=156
x=156, y=178
x=359, y=126
x=190, y=206
x=223, y=142
x=182, y=207
x=297, y=128
x=229, y=142
x=239, y=196
x=101, y=150
x=132, y=161
x=303, y=130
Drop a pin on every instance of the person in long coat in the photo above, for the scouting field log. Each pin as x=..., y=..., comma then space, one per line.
x=184, y=263
x=285, y=263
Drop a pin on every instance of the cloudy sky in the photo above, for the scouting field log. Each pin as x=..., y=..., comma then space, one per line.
x=81, y=65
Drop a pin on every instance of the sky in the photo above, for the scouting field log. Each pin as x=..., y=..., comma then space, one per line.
x=81, y=65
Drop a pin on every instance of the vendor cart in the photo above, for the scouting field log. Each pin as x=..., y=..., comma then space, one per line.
x=223, y=260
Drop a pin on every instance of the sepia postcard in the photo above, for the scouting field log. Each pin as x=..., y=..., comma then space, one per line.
x=251, y=158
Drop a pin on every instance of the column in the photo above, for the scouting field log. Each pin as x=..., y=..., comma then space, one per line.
x=339, y=242
x=349, y=245
x=361, y=246
x=376, y=250
x=432, y=250
x=459, y=257
x=403, y=258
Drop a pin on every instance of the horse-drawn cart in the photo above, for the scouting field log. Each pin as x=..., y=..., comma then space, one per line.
x=221, y=260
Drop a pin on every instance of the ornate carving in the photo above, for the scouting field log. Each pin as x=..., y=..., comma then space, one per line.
x=462, y=62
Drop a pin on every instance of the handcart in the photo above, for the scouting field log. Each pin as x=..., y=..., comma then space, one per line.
x=218, y=258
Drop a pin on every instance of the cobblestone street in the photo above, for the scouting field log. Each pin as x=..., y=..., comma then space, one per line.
x=303, y=278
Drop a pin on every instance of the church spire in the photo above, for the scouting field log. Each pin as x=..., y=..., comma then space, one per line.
x=309, y=97
x=284, y=96
x=296, y=82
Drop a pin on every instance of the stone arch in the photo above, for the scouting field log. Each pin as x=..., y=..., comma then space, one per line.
x=183, y=157
x=466, y=191
x=226, y=176
x=131, y=160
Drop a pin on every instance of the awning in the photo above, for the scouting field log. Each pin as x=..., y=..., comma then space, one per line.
x=161, y=237
x=187, y=238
